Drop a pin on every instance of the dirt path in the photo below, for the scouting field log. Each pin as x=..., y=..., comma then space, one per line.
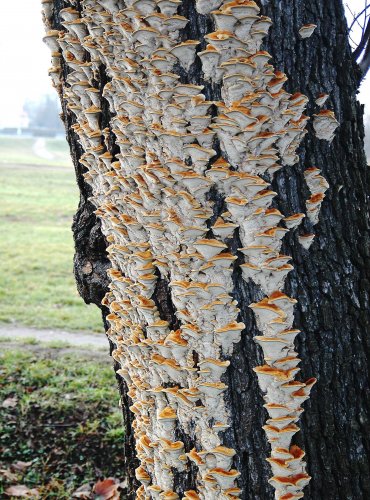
x=97, y=341
x=39, y=148
x=84, y=354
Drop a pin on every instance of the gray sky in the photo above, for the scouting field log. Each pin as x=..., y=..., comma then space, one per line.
x=25, y=59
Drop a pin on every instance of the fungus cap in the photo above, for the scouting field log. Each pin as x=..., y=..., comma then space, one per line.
x=307, y=30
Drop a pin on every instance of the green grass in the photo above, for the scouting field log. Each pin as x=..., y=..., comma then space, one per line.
x=28, y=341
x=66, y=420
x=37, y=286
x=56, y=344
x=20, y=151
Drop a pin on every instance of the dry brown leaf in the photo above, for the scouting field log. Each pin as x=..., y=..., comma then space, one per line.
x=106, y=489
x=21, y=466
x=83, y=492
x=10, y=402
x=20, y=490
x=8, y=476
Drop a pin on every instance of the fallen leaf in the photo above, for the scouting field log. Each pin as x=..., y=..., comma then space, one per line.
x=10, y=402
x=9, y=476
x=21, y=466
x=106, y=489
x=84, y=495
x=83, y=492
x=20, y=490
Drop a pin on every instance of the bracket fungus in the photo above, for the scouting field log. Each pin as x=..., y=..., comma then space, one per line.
x=321, y=99
x=325, y=125
x=307, y=30
x=152, y=198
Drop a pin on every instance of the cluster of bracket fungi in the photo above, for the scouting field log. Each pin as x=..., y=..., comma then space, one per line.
x=152, y=199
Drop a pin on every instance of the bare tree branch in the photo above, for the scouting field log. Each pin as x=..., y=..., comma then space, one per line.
x=363, y=42
x=351, y=39
x=364, y=24
x=361, y=50
x=357, y=16
x=365, y=61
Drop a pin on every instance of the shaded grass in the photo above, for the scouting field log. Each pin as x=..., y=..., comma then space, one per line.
x=37, y=286
x=20, y=151
x=66, y=419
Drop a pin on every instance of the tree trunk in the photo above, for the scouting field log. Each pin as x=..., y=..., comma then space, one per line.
x=330, y=280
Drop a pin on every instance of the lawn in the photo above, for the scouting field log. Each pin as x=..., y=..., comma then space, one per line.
x=37, y=286
x=60, y=419
x=24, y=151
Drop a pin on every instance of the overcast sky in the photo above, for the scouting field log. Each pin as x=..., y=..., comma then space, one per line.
x=25, y=59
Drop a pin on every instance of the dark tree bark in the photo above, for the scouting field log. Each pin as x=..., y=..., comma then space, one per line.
x=330, y=281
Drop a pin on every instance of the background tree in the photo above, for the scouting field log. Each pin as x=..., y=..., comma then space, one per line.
x=44, y=113
x=331, y=281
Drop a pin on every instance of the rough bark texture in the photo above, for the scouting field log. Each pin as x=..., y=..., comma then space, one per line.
x=330, y=281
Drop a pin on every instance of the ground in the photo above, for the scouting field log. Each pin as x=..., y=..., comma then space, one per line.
x=60, y=420
x=60, y=416
x=37, y=204
x=34, y=151
x=21, y=334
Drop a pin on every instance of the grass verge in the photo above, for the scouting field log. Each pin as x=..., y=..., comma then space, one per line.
x=37, y=286
x=26, y=151
x=60, y=415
